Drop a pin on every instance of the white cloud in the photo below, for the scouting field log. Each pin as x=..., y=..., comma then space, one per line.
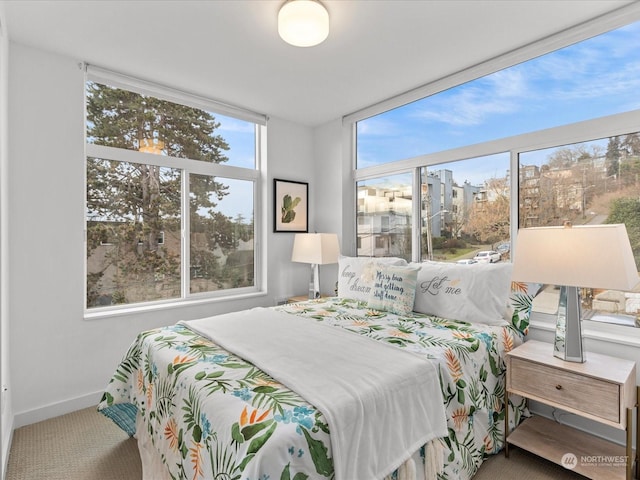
x=471, y=104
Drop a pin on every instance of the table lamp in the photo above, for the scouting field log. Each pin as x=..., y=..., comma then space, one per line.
x=587, y=256
x=316, y=249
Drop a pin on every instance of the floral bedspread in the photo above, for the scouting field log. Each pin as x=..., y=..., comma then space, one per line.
x=212, y=415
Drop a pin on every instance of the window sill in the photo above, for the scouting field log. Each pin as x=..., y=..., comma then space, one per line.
x=111, y=312
x=607, y=332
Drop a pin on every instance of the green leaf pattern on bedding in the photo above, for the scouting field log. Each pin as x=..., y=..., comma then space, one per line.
x=208, y=411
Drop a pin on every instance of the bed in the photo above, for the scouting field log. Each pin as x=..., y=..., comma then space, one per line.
x=200, y=411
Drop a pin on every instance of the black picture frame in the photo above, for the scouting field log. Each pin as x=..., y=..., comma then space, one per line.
x=290, y=214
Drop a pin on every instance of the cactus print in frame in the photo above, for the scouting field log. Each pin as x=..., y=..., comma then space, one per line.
x=291, y=206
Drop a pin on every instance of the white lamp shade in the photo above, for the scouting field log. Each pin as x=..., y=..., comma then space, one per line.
x=315, y=248
x=303, y=23
x=590, y=256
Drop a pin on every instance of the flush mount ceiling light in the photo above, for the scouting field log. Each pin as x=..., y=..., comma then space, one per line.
x=303, y=23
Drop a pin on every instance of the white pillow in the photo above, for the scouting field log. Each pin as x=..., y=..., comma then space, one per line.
x=356, y=275
x=394, y=288
x=476, y=293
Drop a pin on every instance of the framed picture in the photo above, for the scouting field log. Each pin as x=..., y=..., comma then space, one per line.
x=291, y=206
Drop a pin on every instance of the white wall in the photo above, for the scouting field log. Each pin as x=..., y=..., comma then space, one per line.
x=59, y=361
x=332, y=176
x=6, y=418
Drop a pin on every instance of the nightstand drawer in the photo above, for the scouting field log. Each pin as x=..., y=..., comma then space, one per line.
x=587, y=394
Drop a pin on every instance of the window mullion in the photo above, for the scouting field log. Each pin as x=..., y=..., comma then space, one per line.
x=185, y=236
x=195, y=166
x=416, y=230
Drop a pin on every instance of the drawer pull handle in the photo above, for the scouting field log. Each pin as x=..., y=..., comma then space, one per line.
x=558, y=387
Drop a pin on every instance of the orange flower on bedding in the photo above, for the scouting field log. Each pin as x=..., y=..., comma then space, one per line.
x=460, y=417
x=171, y=434
x=203, y=341
x=246, y=419
x=497, y=404
x=453, y=364
x=399, y=333
x=178, y=360
x=507, y=340
x=196, y=460
x=260, y=382
x=140, y=381
x=150, y=394
x=459, y=334
x=488, y=444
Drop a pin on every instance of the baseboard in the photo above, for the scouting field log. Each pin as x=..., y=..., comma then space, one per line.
x=56, y=409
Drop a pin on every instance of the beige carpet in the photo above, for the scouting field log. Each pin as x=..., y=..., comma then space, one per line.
x=85, y=445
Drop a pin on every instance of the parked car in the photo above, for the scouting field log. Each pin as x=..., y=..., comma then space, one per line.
x=504, y=247
x=467, y=261
x=487, y=256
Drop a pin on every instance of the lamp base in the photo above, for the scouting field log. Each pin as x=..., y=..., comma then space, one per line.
x=568, y=341
x=314, y=282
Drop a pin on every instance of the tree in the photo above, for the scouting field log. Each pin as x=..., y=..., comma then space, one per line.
x=627, y=211
x=613, y=157
x=489, y=217
x=134, y=203
x=631, y=144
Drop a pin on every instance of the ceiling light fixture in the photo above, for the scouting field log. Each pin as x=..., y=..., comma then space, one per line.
x=303, y=23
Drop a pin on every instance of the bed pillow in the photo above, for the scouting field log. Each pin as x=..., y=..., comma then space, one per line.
x=394, y=288
x=356, y=275
x=476, y=293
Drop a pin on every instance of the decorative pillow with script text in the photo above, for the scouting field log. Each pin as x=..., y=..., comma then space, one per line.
x=356, y=275
x=394, y=288
x=476, y=293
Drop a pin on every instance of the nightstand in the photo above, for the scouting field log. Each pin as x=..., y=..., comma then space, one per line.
x=602, y=389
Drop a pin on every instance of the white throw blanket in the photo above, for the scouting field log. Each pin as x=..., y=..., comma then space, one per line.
x=381, y=403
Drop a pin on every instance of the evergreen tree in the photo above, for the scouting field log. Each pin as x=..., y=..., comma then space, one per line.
x=613, y=156
x=136, y=202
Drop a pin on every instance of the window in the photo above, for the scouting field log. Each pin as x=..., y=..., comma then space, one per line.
x=590, y=182
x=550, y=138
x=384, y=216
x=472, y=214
x=158, y=167
x=589, y=79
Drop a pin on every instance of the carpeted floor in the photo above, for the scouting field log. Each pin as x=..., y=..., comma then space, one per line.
x=85, y=445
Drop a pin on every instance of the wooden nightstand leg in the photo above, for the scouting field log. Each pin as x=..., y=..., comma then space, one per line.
x=638, y=433
x=630, y=457
x=506, y=423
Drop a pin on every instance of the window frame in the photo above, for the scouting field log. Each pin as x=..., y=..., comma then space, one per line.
x=583, y=131
x=588, y=130
x=187, y=167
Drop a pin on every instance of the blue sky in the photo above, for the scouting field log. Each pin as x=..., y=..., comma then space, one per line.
x=594, y=78
x=597, y=77
x=240, y=135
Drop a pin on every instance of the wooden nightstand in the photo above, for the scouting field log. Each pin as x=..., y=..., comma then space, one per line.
x=602, y=389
